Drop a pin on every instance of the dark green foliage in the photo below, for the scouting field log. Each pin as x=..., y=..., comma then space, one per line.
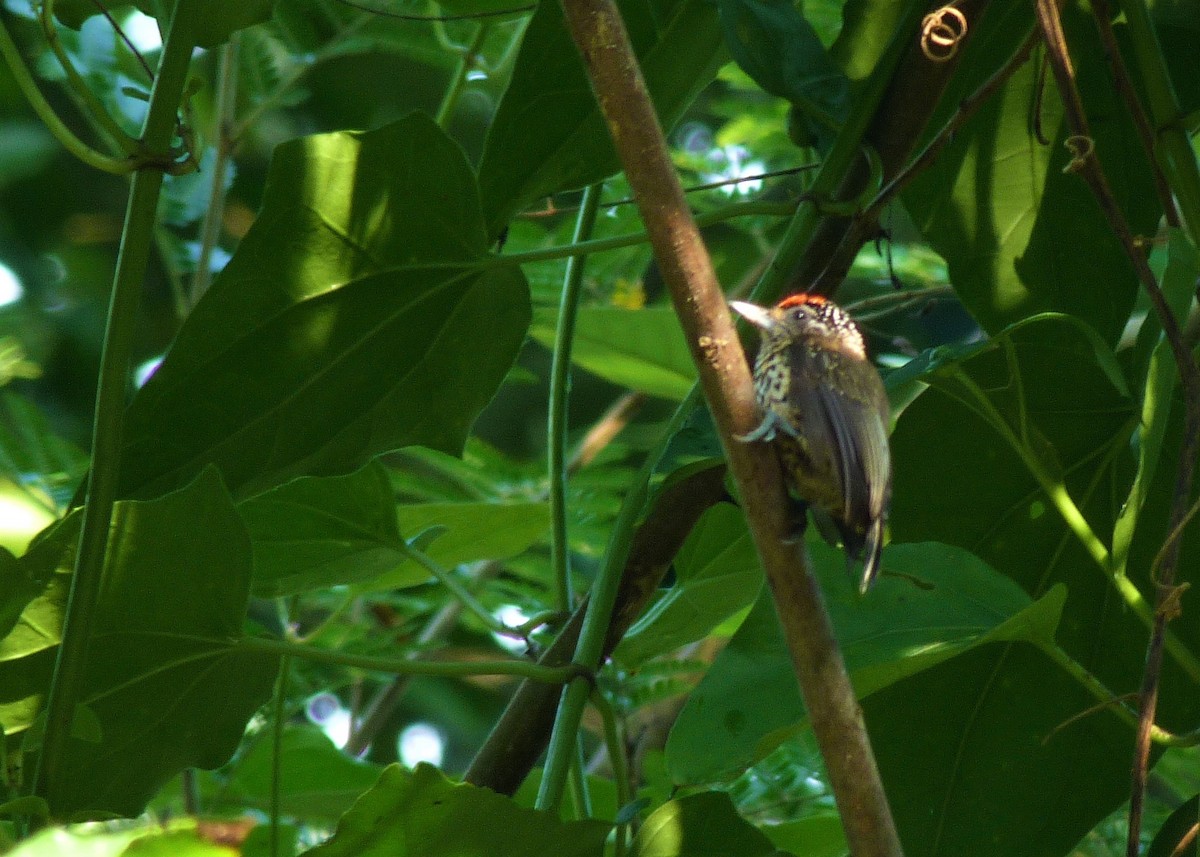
x=425, y=814
x=1017, y=247
x=546, y=139
x=1171, y=835
x=319, y=782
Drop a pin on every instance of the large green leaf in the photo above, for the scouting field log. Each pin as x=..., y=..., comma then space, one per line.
x=986, y=755
x=779, y=49
x=868, y=26
x=168, y=679
x=214, y=20
x=317, y=781
x=717, y=573
x=317, y=531
x=934, y=602
x=35, y=602
x=1020, y=235
x=1049, y=387
x=418, y=813
x=355, y=317
x=1001, y=767
x=819, y=835
x=700, y=825
x=1181, y=823
x=1152, y=359
x=20, y=583
x=467, y=532
x=548, y=134
x=1177, y=26
x=641, y=349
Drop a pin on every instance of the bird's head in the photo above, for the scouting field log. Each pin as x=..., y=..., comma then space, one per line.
x=805, y=318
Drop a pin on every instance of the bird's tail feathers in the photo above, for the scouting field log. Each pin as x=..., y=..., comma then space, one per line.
x=872, y=551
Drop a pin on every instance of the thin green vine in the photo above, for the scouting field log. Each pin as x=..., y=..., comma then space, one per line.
x=618, y=760
x=560, y=374
x=278, y=721
x=1065, y=505
x=457, y=589
x=88, y=99
x=404, y=666
x=459, y=79
x=25, y=82
x=632, y=239
x=136, y=241
x=1109, y=700
x=225, y=109
x=581, y=795
x=590, y=647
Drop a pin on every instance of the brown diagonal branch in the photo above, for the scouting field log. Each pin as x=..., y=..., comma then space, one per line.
x=836, y=718
x=521, y=735
x=1102, y=14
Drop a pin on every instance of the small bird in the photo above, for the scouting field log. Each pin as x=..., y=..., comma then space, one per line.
x=825, y=408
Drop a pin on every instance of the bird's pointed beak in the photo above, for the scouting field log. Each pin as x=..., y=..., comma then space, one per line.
x=753, y=313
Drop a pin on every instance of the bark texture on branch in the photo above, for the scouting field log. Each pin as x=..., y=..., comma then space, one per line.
x=836, y=717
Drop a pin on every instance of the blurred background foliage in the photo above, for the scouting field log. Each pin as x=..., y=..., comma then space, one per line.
x=326, y=66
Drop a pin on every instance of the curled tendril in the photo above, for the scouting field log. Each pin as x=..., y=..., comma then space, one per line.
x=1081, y=148
x=1172, y=603
x=942, y=31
